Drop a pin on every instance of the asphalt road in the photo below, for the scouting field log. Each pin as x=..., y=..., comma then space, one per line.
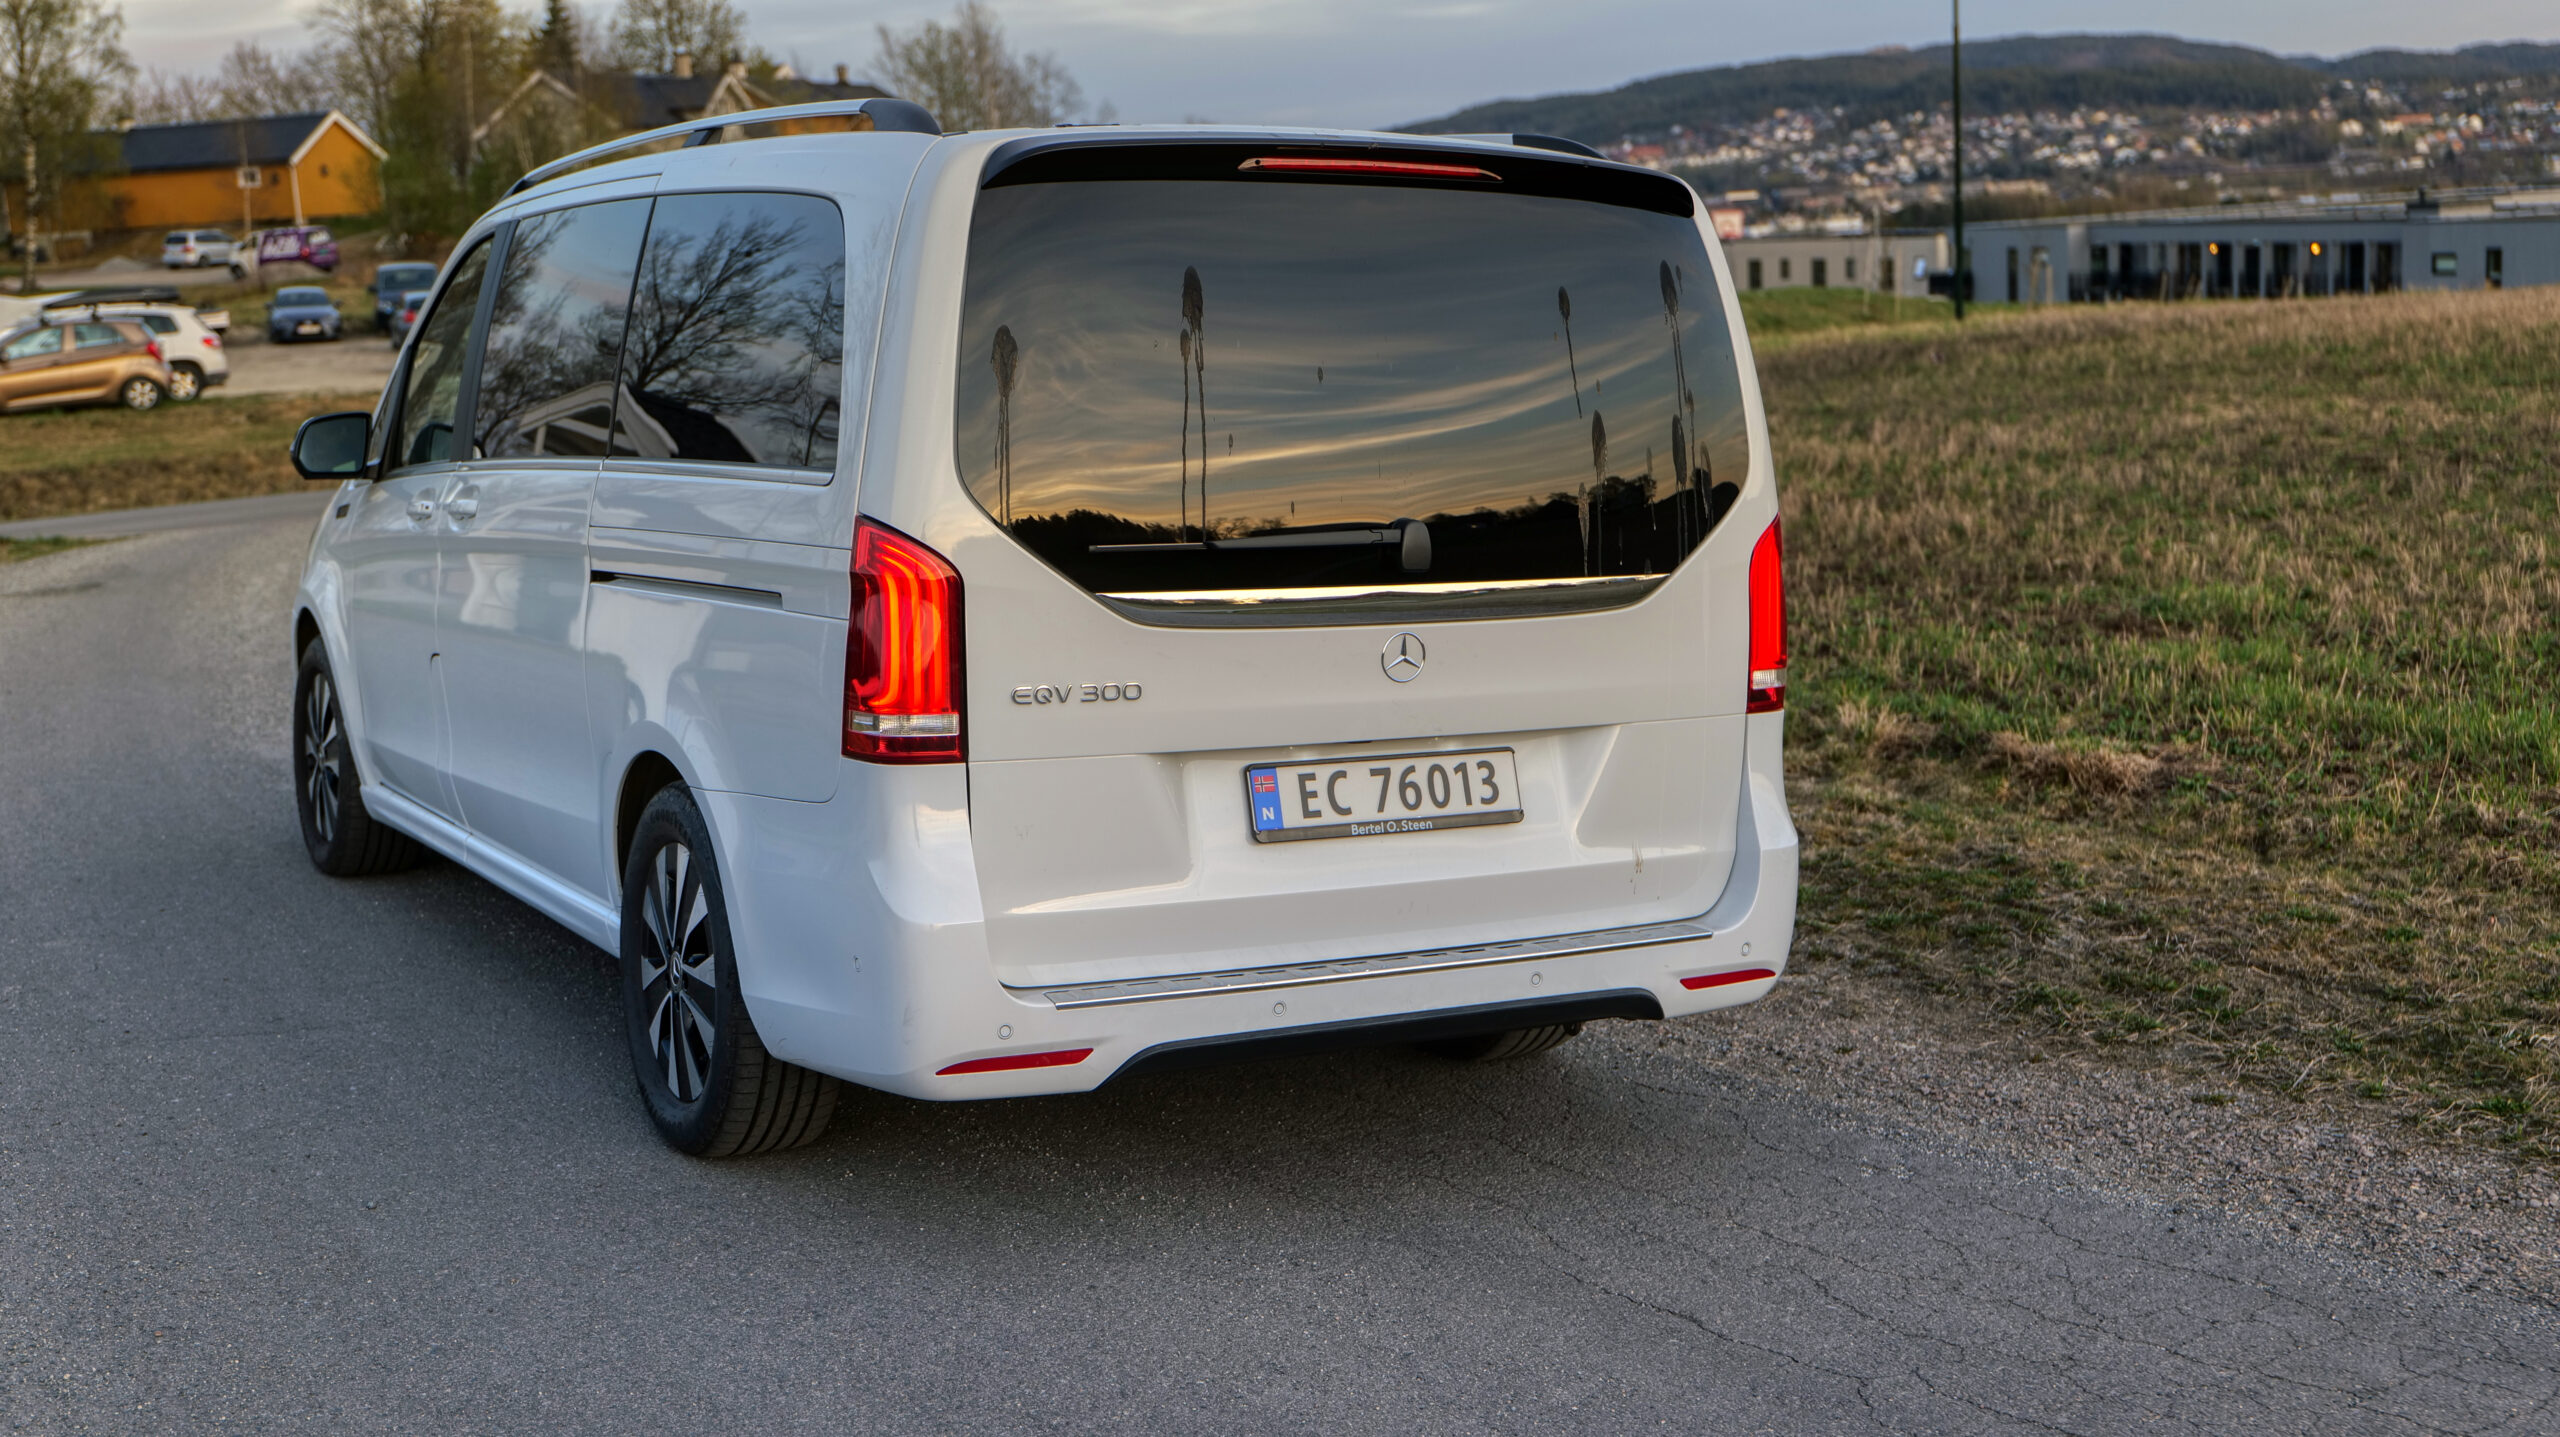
x=282, y=1153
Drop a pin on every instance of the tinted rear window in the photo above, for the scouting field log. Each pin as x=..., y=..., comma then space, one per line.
x=1196, y=392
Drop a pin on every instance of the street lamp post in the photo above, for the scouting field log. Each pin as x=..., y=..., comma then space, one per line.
x=1956, y=51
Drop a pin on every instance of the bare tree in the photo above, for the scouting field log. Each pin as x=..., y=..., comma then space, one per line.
x=971, y=80
x=60, y=60
x=649, y=34
x=372, y=48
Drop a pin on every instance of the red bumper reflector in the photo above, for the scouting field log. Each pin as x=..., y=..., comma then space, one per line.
x=1013, y=1062
x=1718, y=980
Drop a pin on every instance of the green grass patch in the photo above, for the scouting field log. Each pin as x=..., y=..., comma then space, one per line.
x=77, y=461
x=2200, y=657
x=13, y=550
x=1785, y=313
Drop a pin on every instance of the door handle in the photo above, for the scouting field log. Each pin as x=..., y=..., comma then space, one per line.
x=421, y=510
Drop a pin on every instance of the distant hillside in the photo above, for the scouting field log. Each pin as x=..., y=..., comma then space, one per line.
x=2024, y=73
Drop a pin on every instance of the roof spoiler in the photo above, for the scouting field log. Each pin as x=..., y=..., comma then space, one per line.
x=884, y=113
x=1557, y=143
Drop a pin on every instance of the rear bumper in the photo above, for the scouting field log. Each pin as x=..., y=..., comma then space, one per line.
x=885, y=981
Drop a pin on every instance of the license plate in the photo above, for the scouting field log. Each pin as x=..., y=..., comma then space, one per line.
x=306, y=328
x=1392, y=793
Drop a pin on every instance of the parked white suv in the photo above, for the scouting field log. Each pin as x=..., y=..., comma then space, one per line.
x=982, y=615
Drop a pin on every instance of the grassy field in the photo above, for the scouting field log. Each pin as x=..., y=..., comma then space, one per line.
x=1786, y=313
x=83, y=460
x=2183, y=678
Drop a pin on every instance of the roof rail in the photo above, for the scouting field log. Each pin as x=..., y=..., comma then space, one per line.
x=885, y=113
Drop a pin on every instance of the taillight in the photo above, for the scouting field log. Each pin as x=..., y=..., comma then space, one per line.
x=213, y=341
x=151, y=347
x=1768, y=625
x=902, y=697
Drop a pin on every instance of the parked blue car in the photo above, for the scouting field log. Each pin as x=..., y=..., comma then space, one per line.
x=302, y=312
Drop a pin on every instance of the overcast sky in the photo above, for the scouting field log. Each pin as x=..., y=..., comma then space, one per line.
x=1362, y=63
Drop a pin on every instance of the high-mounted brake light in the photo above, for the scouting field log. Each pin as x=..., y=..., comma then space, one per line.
x=1411, y=169
x=1768, y=625
x=902, y=693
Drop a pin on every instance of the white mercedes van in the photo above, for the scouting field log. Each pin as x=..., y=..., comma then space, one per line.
x=980, y=615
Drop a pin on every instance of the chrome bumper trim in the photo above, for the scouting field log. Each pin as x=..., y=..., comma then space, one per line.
x=1340, y=970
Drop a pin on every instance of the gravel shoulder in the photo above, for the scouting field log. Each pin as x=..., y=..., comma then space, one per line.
x=2353, y=1181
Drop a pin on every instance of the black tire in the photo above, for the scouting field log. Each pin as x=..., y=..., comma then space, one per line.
x=704, y=1075
x=1501, y=1047
x=343, y=840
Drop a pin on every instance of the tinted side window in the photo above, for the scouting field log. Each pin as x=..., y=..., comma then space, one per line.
x=555, y=330
x=432, y=397
x=736, y=347
x=97, y=336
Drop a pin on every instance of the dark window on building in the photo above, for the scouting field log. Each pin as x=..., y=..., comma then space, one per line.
x=1755, y=274
x=2386, y=266
x=1217, y=388
x=1821, y=274
x=2494, y=274
x=432, y=398
x=2013, y=276
x=555, y=330
x=1849, y=269
x=2442, y=263
x=735, y=352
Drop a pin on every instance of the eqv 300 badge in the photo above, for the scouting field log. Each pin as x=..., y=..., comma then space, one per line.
x=1078, y=694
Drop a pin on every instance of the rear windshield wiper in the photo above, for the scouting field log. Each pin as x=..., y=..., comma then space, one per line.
x=1410, y=537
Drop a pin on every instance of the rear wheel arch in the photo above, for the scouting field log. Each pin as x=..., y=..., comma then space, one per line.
x=306, y=628
x=648, y=774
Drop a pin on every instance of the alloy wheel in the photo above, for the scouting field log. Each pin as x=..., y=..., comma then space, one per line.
x=184, y=383
x=141, y=394
x=321, y=750
x=679, y=975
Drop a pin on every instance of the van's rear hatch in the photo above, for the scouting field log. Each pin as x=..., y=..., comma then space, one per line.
x=1359, y=584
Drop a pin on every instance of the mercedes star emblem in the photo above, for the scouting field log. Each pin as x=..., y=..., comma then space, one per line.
x=1402, y=658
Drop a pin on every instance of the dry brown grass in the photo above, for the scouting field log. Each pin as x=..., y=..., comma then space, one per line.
x=85, y=460
x=2185, y=674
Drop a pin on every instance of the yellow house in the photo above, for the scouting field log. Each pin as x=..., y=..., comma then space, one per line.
x=234, y=174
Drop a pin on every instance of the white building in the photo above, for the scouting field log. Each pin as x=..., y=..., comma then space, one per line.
x=1893, y=262
x=2343, y=245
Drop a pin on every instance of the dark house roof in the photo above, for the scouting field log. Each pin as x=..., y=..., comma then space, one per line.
x=212, y=144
